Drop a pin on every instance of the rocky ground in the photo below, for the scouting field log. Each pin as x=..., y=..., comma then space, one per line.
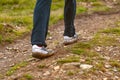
x=96, y=56
x=16, y=62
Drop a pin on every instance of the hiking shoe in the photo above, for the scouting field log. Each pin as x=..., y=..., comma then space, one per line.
x=41, y=52
x=70, y=40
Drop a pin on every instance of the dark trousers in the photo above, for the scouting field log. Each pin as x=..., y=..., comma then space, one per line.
x=41, y=20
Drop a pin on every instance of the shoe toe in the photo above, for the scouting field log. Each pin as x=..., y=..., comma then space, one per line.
x=41, y=55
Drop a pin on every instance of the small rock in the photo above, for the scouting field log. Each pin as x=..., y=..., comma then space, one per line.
x=116, y=77
x=115, y=69
x=62, y=71
x=72, y=64
x=1, y=55
x=8, y=48
x=105, y=78
x=82, y=60
x=85, y=66
x=56, y=68
x=46, y=73
x=106, y=57
x=50, y=38
x=98, y=49
x=107, y=66
x=5, y=57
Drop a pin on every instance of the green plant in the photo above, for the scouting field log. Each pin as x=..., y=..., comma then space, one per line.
x=68, y=60
x=41, y=66
x=0, y=38
x=15, y=67
x=28, y=77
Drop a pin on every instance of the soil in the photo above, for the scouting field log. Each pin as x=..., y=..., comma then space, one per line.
x=20, y=50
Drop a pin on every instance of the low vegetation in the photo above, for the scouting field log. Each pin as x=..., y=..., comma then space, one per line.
x=85, y=53
x=16, y=16
x=15, y=68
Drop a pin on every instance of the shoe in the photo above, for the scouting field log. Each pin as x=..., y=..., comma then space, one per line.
x=70, y=40
x=41, y=52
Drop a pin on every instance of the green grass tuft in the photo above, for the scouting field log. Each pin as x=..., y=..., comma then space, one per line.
x=15, y=67
x=81, y=10
x=100, y=9
x=115, y=63
x=70, y=73
x=41, y=66
x=68, y=60
x=103, y=40
x=28, y=77
x=112, y=31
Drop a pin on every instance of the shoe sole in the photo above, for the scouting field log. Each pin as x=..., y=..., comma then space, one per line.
x=68, y=43
x=40, y=55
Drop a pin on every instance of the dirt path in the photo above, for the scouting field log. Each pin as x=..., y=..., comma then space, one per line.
x=20, y=51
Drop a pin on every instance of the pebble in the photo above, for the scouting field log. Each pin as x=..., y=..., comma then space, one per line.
x=98, y=49
x=115, y=69
x=107, y=66
x=1, y=55
x=50, y=38
x=73, y=63
x=56, y=68
x=46, y=73
x=116, y=77
x=105, y=78
x=85, y=66
x=106, y=57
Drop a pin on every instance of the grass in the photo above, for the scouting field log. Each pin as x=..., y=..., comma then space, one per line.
x=112, y=31
x=81, y=10
x=19, y=14
x=115, y=63
x=100, y=66
x=15, y=68
x=70, y=73
x=1, y=76
x=0, y=38
x=97, y=3
x=41, y=66
x=101, y=9
x=68, y=60
x=28, y=77
x=103, y=39
x=83, y=49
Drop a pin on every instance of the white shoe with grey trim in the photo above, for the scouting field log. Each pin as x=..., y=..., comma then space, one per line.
x=41, y=52
x=70, y=40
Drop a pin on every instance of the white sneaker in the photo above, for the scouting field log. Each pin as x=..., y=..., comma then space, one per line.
x=69, y=40
x=41, y=52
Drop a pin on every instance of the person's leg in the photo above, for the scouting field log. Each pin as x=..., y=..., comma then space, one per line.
x=40, y=22
x=69, y=16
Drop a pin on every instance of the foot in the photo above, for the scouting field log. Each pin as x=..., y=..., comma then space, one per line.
x=41, y=52
x=70, y=40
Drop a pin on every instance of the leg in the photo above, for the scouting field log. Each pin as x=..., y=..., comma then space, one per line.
x=40, y=22
x=69, y=16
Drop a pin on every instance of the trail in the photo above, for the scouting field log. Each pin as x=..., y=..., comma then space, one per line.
x=20, y=50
